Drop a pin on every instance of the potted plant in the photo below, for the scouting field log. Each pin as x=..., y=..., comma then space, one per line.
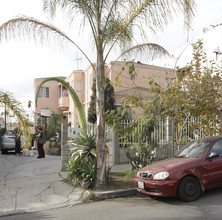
x=54, y=148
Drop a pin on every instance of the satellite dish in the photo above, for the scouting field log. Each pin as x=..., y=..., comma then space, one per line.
x=217, y=50
x=205, y=30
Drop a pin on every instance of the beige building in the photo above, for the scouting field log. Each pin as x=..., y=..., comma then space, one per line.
x=48, y=99
x=128, y=78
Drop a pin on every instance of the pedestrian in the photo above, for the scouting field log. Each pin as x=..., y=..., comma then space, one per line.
x=17, y=132
x=40, y=143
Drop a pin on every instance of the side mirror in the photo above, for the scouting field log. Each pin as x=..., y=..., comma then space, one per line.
x=213, y=155
x=153, y=153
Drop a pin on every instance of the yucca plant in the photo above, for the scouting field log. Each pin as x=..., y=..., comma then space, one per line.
x=84, y=147
x=83, y=160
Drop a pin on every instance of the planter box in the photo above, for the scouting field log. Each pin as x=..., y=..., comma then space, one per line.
x=54, y=151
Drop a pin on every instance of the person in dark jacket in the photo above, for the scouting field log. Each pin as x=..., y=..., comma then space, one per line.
x=17, y=141
x=40, y=143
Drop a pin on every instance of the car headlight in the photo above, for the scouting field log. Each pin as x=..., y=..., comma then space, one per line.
x=161, y=176
x=138, y=174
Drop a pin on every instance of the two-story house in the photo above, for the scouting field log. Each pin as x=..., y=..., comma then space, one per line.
x=128, y=78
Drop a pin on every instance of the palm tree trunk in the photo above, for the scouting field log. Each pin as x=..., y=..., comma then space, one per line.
x=100, y=113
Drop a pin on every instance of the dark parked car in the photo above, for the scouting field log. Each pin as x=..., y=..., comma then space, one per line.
x=197, y=167
x=8, y=141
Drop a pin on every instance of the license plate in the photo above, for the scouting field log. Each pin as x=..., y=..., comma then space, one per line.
x=140, y=185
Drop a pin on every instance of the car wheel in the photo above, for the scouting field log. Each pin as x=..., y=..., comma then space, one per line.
x=4, y=151
x=189, y=189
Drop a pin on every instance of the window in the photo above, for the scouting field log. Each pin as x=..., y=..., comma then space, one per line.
x=43, y=92
x=90, y=81
x=40, y=119
x=168, y=81
x=217, y=147
x=79, y=86
x=77, y=122
x=72, y=119
x=127, y=114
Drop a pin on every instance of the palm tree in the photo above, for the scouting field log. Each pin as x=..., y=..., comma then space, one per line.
x=15, y=107
x=112, y=23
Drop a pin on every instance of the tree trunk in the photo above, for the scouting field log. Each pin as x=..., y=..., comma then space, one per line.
x=100, y=113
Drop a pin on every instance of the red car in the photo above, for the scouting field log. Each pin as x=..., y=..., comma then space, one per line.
x=197, y=167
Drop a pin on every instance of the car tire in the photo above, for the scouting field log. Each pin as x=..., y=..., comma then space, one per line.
x=4, y=151
x=189, y=189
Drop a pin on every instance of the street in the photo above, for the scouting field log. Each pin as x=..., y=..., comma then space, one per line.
x=209, y=206
x=34, y=185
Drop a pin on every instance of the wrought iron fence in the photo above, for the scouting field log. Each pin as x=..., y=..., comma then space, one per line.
x=166, y=131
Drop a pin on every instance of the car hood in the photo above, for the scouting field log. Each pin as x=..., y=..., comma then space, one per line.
x=172, y=164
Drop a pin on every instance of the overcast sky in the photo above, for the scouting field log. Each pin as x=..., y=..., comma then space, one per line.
x=22, y=62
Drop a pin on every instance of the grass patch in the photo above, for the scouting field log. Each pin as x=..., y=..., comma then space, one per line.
x=121, y=180
x=116, y=180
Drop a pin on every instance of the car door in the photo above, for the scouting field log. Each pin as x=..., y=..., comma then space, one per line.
x=214, y=165
x=8, y=141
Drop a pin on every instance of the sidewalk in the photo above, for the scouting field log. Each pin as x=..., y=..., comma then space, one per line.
x=121, y=167
x=29, y=184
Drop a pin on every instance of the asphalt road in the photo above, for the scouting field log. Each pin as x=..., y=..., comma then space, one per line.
x=209, y=206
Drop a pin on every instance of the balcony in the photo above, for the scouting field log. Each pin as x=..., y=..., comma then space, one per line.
x=64, y=103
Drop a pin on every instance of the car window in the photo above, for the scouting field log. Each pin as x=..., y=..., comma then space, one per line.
x=217, y=147
x=9, y=132
x=194, y=149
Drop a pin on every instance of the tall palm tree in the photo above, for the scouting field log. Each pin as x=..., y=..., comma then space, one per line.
x=112, y=23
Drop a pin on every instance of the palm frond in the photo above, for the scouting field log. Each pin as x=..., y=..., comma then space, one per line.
x=28, y=27
x=16, y=108
x=148, y=51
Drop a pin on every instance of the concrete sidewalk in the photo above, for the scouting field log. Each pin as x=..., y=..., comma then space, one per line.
x=29, y=184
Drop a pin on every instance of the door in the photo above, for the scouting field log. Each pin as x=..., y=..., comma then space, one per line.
x=8, y=140
x=214, y=165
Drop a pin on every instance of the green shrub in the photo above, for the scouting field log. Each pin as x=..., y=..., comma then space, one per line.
x=83, y=160
x=140, y=155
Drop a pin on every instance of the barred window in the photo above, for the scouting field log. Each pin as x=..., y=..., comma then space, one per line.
x=43, y=92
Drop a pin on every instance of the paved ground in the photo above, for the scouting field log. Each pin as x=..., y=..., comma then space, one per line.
x=31, y=184
x=142, y=207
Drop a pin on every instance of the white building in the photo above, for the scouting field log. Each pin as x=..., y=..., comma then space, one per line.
x=181, y=56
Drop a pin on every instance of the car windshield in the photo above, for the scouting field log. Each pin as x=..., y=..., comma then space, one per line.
x=9, y=133
x=194, y=149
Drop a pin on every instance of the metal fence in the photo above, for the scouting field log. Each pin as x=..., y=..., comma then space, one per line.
x=166, y=131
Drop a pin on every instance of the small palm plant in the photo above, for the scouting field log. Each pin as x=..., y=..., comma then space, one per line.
x=83, y=160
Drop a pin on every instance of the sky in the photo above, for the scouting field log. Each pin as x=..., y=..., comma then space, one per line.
x=23, y=61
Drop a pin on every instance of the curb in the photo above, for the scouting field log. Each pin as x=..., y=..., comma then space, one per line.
x=103, y=195
x=56, y=206
x=116, y=193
